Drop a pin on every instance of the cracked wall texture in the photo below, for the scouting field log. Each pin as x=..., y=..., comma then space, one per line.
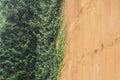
x=93, y=40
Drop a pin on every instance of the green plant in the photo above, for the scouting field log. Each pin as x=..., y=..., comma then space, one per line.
x=28, y=40
x=2, y=19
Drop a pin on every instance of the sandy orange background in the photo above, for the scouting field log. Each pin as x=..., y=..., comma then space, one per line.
x=92, y=50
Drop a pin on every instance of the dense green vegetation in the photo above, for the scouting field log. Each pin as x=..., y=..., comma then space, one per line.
x=2, y=19
x=28, y=39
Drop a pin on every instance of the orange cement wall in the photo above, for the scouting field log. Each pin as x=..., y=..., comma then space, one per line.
x=93, y=40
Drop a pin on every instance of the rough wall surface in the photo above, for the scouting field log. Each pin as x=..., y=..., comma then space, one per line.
x=93, y=40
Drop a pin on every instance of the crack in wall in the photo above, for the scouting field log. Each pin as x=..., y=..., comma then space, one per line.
x=96, y=51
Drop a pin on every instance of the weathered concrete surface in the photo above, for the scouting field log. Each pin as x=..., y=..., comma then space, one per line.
x=93, y=40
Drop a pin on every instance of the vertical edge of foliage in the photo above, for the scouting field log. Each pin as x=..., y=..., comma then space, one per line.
x=60, y=42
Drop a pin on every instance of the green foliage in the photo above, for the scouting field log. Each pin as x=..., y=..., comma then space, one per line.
x=28, y=39
x=2, y=19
